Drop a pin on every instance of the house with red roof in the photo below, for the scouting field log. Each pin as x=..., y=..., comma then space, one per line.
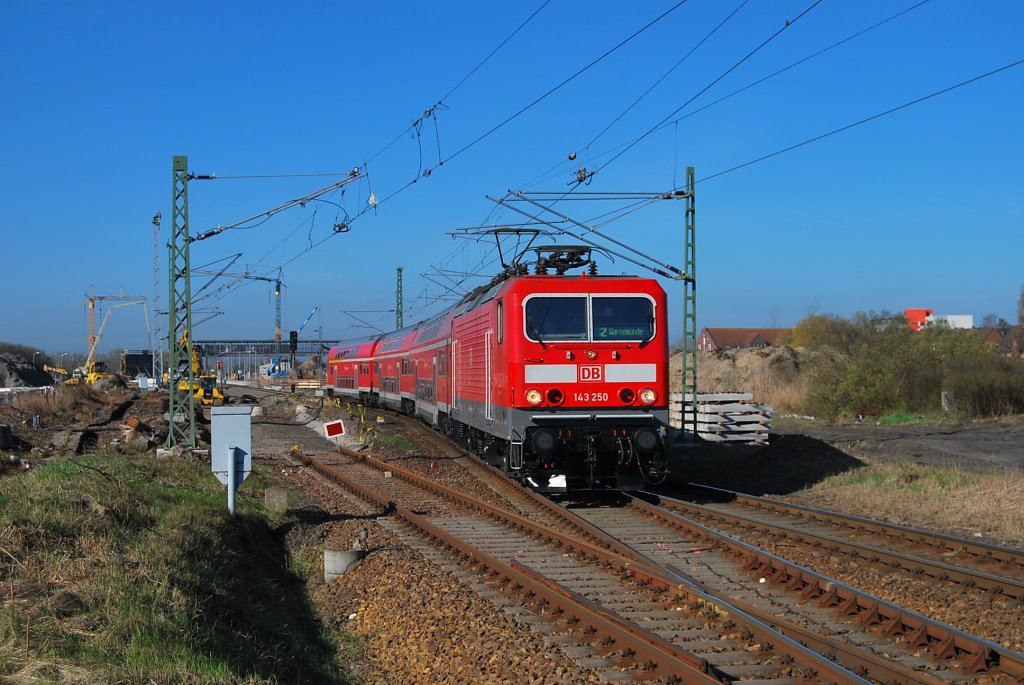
x=733, y=338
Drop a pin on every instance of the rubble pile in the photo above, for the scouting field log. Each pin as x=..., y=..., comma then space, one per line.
x=18, y=372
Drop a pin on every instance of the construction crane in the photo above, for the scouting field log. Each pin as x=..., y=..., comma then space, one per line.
x=91, y=300
x=92, y=371
x=252, y=277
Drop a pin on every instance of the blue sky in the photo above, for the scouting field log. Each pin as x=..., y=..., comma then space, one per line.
x=920, y=208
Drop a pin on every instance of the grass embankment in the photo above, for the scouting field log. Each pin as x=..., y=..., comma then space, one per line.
x=985, y=505
x=129, y=570
x=989, y=506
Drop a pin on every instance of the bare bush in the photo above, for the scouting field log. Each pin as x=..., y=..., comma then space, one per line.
x=986, y=386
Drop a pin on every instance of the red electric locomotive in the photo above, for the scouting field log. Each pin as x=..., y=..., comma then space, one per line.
x=560, y=380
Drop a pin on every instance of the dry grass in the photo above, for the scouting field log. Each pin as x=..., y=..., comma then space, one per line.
x=772, y=375
x=66, y=402
x=44, y=403
x=118, y=569
x=784, y=398
x=989, y=507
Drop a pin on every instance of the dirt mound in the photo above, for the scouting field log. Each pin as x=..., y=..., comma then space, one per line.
x=771, y=373
x=18, y=372
x=308, y=369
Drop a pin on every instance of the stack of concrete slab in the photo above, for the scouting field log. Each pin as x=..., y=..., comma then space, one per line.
x=730, y=417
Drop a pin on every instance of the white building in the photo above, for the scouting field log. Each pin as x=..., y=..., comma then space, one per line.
x=952, y=320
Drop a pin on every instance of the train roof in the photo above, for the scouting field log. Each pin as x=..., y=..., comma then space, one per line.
x=427, y=329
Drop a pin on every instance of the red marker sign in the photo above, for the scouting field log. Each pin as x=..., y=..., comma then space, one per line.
x=334, y=429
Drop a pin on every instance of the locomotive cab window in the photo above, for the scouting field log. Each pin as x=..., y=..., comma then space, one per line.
x=551, y=319
x=622, y=318
x=501, y=322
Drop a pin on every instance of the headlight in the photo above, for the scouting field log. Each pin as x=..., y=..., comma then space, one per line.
x=627, y=395
x=555, y=396
x=648, y=396
x=534, y=396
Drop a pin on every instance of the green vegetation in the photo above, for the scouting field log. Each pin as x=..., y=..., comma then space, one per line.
x=874, y=364
x=987, y=505
x=396, y=442
x=906, y=477
x=129, y=570
x=905, y=419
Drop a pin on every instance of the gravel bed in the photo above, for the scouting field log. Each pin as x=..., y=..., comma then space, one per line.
x=1000, y=620
x=417, y=622
x=421, y=625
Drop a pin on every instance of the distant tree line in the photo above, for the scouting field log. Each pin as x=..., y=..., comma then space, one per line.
x=69, y=361
x=21, y=350
x=873, y=363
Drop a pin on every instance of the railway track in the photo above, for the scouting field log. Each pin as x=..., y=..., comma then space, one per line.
x=616, y=612
x=990, y=568
x=620, y=545
x=778, y=592
x=585, y=551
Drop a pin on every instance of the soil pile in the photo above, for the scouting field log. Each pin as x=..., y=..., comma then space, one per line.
x=18, y=372
x=772, y=374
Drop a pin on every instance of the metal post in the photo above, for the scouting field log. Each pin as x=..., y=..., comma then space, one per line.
x=181, y=408
x=277, y=316
x=232, y=477
x=690, y=309
x=398, y=301
x=158, y=355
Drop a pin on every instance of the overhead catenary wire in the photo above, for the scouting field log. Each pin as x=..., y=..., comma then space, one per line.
x=563, y=83
x=668, y=72
x=797, y=63
x=430, y=111
x=622, y=212
x=494, y=51
x=557, y=169
x=761, y=46
x=264, y=216
x=630, y=145
x=413, y=127
x=634, y=142
x=865, y=120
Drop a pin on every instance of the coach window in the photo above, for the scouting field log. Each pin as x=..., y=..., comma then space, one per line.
x=556, y=318
x=501, y=322
x=622, y=318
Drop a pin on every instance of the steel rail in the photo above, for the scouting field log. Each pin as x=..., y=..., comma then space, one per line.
x=950, y=543
x=656, y=656
x=938, y=570
x=944, y=642
x=642, y=569
x=975, y=655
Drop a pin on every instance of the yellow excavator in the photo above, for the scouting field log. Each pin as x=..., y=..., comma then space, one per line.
x=56, y=370
x=205, y=386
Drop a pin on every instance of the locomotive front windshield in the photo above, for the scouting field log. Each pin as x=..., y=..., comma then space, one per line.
x=556, y=318
x=611, y=319
x=622, y=318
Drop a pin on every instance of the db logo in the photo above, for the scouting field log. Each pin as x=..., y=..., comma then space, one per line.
x=591, y=373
